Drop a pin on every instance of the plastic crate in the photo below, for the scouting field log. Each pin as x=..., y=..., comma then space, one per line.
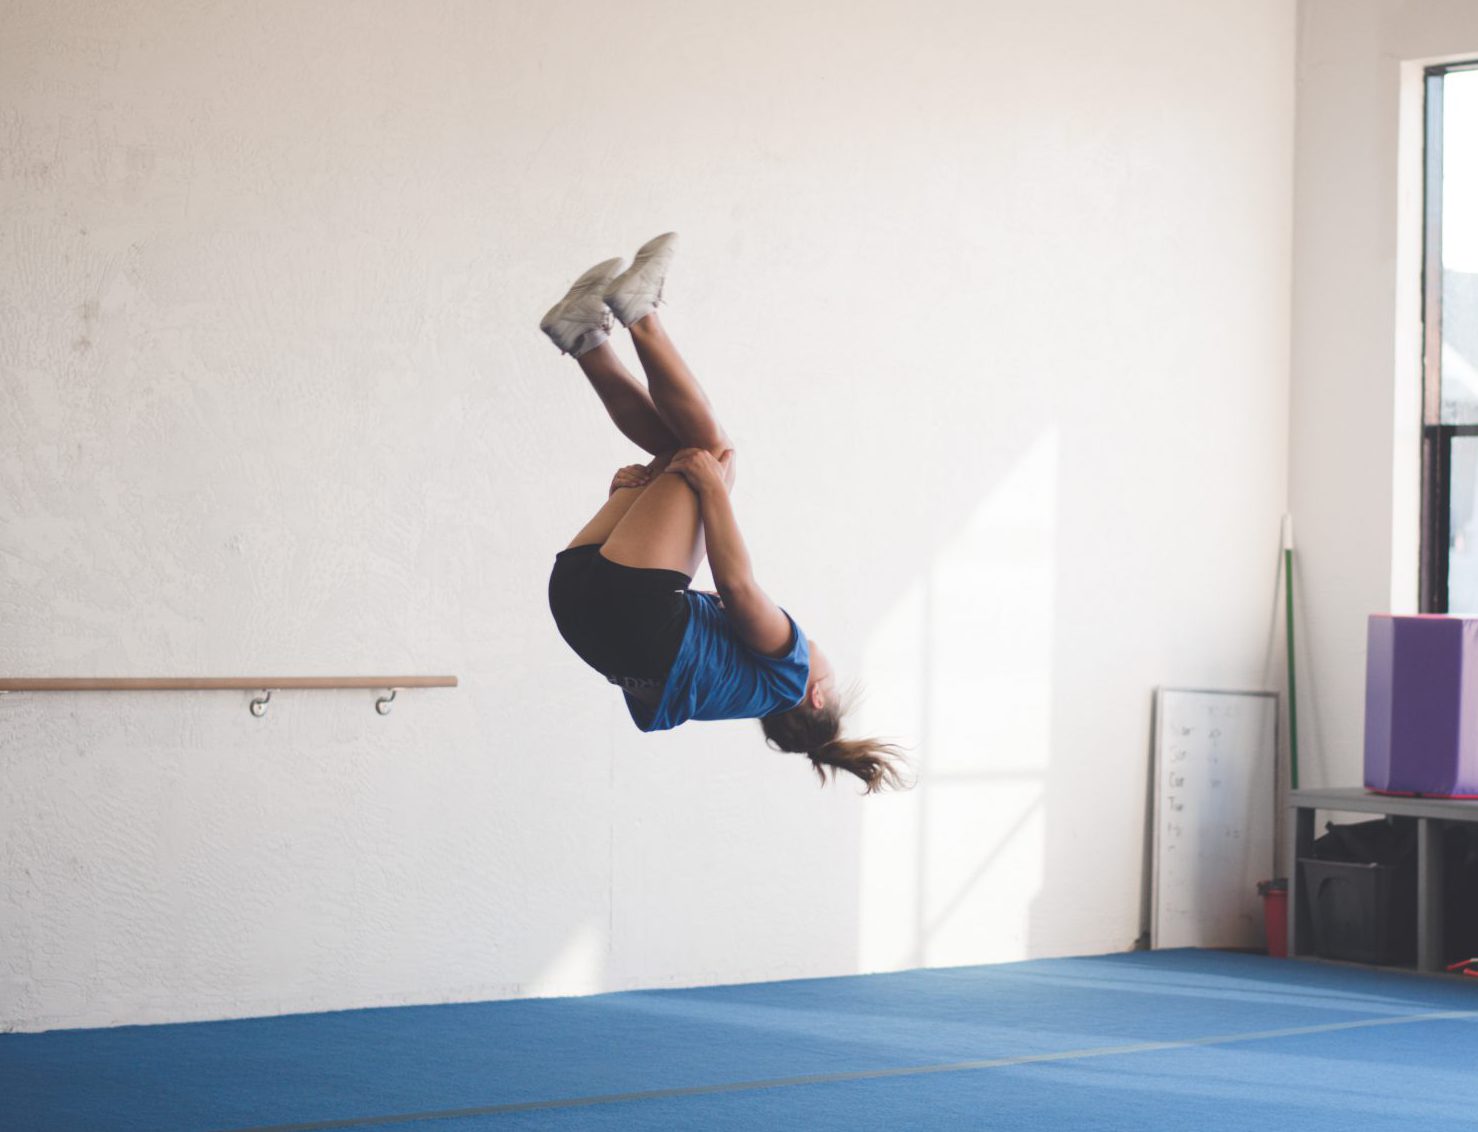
x=1364, y=913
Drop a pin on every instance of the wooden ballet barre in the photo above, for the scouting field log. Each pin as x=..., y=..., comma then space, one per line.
x=207, y=683
x=264, y=684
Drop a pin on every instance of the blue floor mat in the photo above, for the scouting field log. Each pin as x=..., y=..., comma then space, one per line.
x=1139, y=1040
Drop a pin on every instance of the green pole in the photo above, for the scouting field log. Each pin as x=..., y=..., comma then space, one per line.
x=1292, y=686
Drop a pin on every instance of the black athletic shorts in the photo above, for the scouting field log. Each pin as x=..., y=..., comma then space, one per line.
x=626, y=623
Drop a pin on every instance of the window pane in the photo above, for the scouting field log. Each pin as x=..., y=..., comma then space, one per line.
x=1462, y=558
x=1459, y=252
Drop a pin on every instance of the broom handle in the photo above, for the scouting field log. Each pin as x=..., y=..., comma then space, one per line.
x=1292, y=684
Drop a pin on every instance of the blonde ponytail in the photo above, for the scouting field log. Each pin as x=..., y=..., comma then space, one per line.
x=879, y=765
x=817, y=734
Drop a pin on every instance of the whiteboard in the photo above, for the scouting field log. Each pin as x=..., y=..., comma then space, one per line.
x=1215, y=768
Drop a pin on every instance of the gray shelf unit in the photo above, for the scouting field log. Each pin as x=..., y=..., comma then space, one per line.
x=1430, y=813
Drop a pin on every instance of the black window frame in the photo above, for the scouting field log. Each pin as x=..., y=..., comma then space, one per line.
x=1437, y=437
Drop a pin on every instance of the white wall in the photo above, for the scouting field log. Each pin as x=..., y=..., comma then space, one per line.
x=1355, y=450
x=993, y=296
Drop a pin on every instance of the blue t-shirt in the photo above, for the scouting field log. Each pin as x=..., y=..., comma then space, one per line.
x=717, y=676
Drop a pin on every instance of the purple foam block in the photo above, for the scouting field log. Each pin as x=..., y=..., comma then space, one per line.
x=1421, y=705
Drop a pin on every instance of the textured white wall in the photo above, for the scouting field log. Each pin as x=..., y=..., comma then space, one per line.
x=993, y=297
x=1355, y=451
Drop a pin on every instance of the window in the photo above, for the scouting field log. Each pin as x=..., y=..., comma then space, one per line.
x=1449, y=569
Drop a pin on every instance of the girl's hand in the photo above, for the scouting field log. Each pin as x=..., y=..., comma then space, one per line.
x=702, y=470
x=633, y=475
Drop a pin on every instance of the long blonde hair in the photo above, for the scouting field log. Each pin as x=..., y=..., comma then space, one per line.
x=816, y=733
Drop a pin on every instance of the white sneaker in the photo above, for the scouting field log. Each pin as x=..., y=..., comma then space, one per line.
x=579, y=322
x=635, y=293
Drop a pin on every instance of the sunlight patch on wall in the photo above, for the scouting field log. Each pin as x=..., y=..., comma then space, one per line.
x=578, y=967
x=961, y=668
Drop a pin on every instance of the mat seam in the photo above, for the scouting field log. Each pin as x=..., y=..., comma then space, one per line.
x=856, y=1075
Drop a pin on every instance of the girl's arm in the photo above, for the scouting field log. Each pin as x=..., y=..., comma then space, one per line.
x=758, y=620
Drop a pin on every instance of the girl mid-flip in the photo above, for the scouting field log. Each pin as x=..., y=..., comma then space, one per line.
x=620, y=591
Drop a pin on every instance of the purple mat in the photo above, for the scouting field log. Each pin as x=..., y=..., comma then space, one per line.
x=1421, y=705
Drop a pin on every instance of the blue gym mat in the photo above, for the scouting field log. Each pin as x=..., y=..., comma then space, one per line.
x=1170, y=1039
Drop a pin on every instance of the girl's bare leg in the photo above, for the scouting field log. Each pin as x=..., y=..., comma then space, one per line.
x=627, y=401
x=620, y=501
x=675, y=393
x=656, y=526
x=662, y=530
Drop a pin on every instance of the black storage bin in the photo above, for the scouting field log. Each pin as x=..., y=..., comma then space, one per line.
x=1460, y=892
x=1361, y=911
